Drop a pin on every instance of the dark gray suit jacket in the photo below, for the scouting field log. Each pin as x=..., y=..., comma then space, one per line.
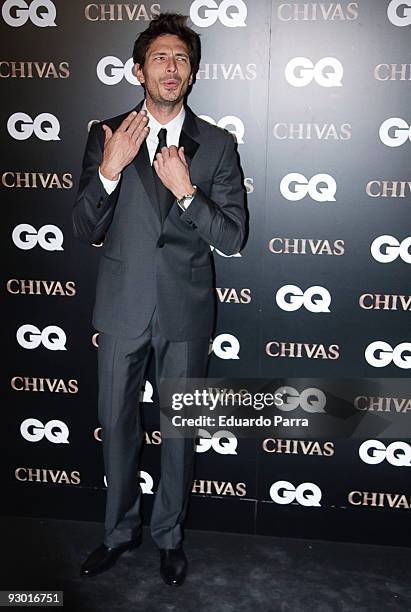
x=147, y=262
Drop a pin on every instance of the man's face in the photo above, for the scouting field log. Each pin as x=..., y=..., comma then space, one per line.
x=167, y=71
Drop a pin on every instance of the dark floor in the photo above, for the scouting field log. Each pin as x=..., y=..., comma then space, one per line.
x=227, y=572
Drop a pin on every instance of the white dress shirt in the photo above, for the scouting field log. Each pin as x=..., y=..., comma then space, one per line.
x=173, y=128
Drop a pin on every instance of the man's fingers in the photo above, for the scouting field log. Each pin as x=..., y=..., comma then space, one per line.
x=107, y=132
x=139, y=137
x=159, y=158
x=156, y=166
x=136, y=125
x=135, y=131
x=182, y=156
x=165, y=152
x=126, y=122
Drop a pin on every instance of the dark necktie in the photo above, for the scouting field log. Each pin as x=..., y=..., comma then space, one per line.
x=162, y=141
x=165, y=197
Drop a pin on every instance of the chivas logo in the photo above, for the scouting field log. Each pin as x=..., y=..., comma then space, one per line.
x=376, y=301
x=228, y=72
x=40, y=287
x=377, y=499
x=121, y=12
x=312, y=131
x=31, y=70
x=302, y=349
x=305, y=246
x=229, y=295
x=37, y=180
x=383, y=404
x=317, y=11
x=25, y=474
x=39, y=385
x=298, y=447
x=220, y=488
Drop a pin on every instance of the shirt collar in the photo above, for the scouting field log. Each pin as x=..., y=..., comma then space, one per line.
x=174, y=124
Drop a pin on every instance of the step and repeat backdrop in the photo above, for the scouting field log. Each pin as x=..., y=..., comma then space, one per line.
x=317, y=96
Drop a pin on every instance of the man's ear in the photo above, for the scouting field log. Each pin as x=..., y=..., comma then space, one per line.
x=190, y=80
x=138, y=72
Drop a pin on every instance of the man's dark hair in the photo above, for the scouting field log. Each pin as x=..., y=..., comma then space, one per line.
x=169, y=23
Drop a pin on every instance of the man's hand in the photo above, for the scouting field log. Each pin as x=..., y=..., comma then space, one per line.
x=121, y=147
x=173, y=171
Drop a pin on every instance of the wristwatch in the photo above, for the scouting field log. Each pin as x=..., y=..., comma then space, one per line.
x=186, y=199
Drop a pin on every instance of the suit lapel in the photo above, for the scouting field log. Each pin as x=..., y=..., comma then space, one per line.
x=189, y=135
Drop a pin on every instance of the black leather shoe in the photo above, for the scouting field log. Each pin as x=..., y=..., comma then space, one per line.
x=173, y=565
x=105, y=557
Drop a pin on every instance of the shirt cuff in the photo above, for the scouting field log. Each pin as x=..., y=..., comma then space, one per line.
x=108, y=184
x=184, y=205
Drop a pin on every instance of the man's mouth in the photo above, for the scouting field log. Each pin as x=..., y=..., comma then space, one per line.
x=171, y=84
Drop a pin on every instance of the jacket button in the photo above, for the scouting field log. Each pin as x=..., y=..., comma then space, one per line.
x=160, y=243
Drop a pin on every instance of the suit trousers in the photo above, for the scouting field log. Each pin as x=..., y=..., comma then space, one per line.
x=121, y=367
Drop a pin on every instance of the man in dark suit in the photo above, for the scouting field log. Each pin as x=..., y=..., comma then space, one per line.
x=158, y=186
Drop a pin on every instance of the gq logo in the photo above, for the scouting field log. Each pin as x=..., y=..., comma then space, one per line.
x=399, y=17
x=311, y=399
x=111, y=70
x=45, y=126
x=298, y=298
x=312, y=187
x=231, y=120
x=49, y=237
x=225, y=346
x=55, y=431
x=211, y=11
x=387, y=354
x=223, y=442
x=394, y=132
x=392, y=249
x=306, y=494
x=52, y=337
x=327, y=72
x=145, y=480
x=396, y=453
x=17, y=12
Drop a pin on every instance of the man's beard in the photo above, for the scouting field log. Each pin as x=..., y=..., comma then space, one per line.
x=159, y=100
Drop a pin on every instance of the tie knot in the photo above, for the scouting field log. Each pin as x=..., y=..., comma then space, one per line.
x=162, y=138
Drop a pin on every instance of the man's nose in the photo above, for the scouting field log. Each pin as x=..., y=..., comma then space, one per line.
x=171, y=65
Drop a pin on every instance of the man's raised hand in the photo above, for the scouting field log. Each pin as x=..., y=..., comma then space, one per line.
x=121, y=146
